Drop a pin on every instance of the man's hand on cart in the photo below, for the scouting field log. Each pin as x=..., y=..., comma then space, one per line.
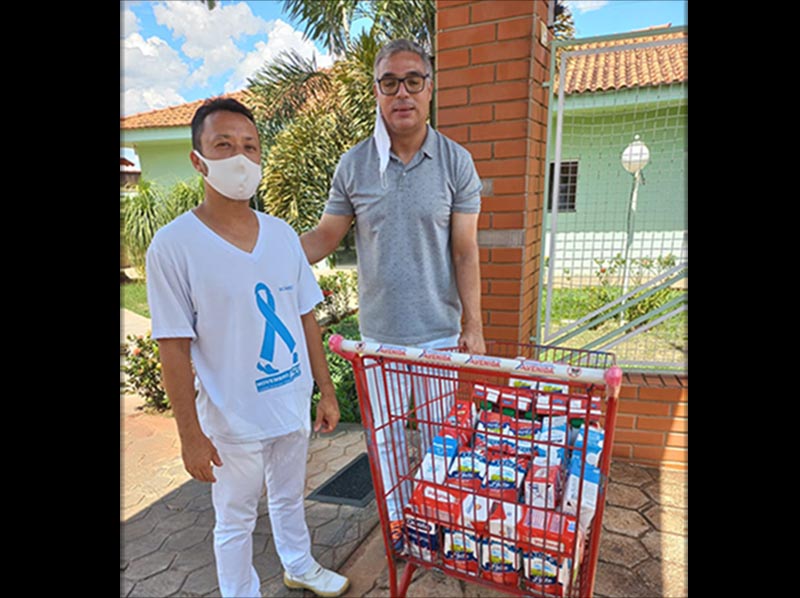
x=327, y=412
x=471, y=341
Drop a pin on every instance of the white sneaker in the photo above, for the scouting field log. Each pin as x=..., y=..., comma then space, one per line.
x=321, y=581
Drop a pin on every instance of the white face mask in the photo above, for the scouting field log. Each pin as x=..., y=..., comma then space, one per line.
x=235, y=177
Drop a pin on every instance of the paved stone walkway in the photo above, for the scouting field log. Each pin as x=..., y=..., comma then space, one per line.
x=167, y=518
x=643, y=549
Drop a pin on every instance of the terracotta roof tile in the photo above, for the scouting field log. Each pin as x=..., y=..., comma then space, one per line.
x=174, y=116
x=637, y=67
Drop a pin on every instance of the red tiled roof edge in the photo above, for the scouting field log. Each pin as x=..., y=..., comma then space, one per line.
x=172, y=116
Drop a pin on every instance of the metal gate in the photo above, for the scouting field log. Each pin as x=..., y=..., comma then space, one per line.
x=614, y=274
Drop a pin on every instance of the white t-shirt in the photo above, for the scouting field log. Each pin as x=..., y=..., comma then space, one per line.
x=242, y=311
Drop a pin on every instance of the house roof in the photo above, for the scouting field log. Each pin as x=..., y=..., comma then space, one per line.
x=174, y=116
x=637, y=67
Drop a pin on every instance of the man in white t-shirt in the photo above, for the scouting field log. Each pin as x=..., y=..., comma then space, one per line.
x=230, y=290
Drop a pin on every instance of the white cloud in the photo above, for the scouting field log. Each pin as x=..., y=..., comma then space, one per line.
x=210, y=36
x=151, y=75
x=281, y=37
x=145, y=99
x=585, y=5
x=130, y=23
x=155, y=74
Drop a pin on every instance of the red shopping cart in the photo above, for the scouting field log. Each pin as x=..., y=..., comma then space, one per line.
x=493, y=468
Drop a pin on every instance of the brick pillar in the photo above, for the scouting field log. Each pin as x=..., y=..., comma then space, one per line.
x=490, y=67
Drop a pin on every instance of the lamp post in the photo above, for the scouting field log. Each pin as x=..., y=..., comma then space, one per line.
x=634, y=158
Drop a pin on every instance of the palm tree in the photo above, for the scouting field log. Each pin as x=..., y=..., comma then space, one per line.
x=308, y=117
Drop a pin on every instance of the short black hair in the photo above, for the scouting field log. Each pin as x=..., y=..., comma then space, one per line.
x=210, y=106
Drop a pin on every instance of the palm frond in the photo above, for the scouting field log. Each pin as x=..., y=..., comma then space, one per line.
x=409, y=19
x=326, y=21
x=299, y=169
x=354, y=75
x=278, y=91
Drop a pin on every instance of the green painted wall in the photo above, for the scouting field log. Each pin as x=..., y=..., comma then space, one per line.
x=597, y=128
x=163, y=153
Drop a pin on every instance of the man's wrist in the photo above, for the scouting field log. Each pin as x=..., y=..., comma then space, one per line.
x=327, y=390
x=474, y=326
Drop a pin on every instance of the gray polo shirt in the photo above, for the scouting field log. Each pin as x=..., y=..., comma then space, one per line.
x=406, y=278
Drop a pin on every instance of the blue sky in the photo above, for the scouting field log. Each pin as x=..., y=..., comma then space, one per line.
x=178, y=51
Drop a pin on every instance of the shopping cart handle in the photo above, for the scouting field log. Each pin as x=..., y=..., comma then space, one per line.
x=349, y=349
x=335, y=343
x=613, y=378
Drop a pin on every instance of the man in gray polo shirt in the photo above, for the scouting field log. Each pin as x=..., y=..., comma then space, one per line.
x=415, y=198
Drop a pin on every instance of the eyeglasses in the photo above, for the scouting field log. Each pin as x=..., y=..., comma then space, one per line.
x=389, y=86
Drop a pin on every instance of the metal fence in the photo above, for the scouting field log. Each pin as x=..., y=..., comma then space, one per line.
x=615, y=260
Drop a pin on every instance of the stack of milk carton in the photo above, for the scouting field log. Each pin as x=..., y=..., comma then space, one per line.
x=497, y=493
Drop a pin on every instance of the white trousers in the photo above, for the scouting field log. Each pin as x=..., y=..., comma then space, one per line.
x=390, y=395
x=281, y=464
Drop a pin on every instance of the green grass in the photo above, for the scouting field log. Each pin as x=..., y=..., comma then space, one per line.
x=133, y=296
x=666, y=342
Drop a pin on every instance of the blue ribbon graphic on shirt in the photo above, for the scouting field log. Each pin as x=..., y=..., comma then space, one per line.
x=274, y=327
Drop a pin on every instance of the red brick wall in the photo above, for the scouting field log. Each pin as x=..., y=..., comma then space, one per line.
x=490, y=67
x=653, y=421
x=490, y=70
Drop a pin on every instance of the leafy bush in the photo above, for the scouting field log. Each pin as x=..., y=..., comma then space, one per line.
x=341, y=373
x=142, y=369
x=340, y=290
x=150, y=209
x=141, y=220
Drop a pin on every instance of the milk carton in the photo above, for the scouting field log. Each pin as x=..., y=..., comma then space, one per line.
x=594, y=445
x=500, y=561
x=554, y=421
x=522, y=382
x=491, y=430
x=548, y=572
x=512, y=402
x=542, y=485
x=460, y=549
x=591, y=484
x=474, y=513
x=468, y=469
x=546, y=530
x=519, y=438
x=460, y=543
x=460, y=422
x=549, y=445
x=440, y=504
x=556, y=436
x=545, y=455
x=504, y=519
x=552, y=402
x=437, y=461
x=504, y=476
x=551, y=553
x=423, y=537
x=486, y=395
x=553, y=388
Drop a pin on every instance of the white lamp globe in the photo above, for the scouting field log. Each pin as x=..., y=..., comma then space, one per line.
x=635, y=156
